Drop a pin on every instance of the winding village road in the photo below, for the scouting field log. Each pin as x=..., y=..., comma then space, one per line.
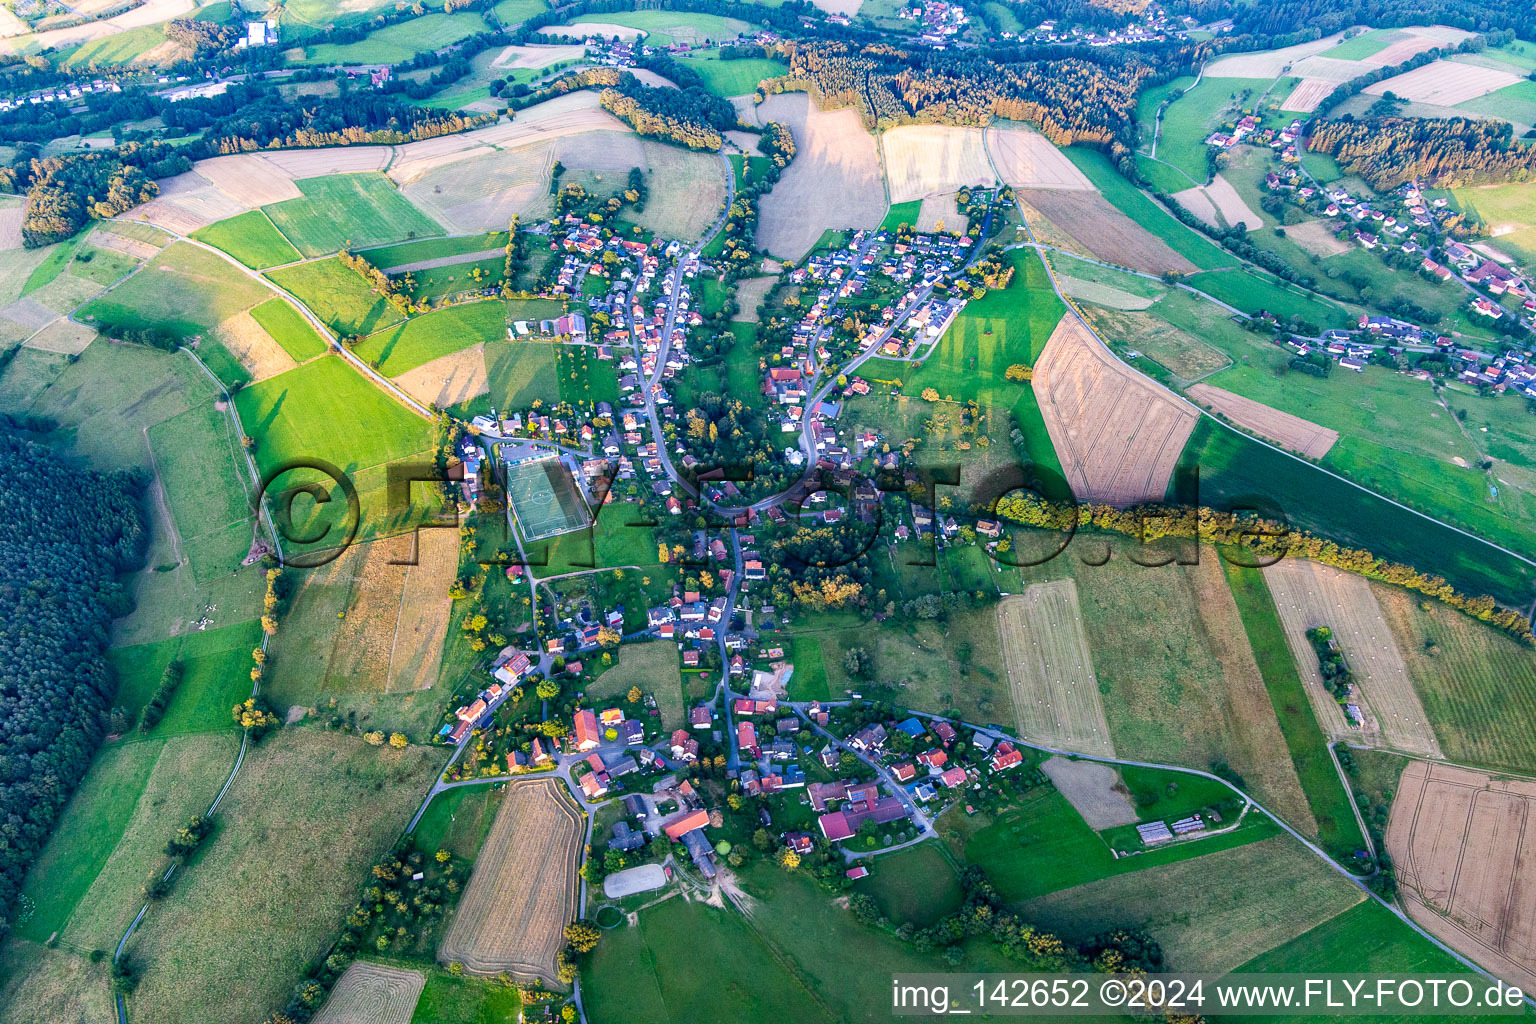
x=821, y=385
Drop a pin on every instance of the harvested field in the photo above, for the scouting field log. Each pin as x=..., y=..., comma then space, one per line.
x=1179, y=351
x=834, y=181
x=1106, y=232
x=1444, y=83
x=1026, y=159
x=1314, y=236
x=930, y=160
x=1050, y=671
x=1464, y=844
x=1094, y=790
x=1309, y=92
x=1196, y=201
x=187, y=202
x=250, y=343
x=1206, y=911
x=1117, y=434
x=1282, y=428
x=940, y=210
x=523, y=891
x=1230, y=205
x=1328, y=69
x=487, y=191
x=372, y=994
x=1269, y=63
x=135, y=247
x=1103, y=294
x=315, y=163
x=448, y=380
x=590, y=29
x=749, y=295
x=251, y=180
x=63, y=336
x=1309, y=594
x=1396, y=53
x=537, y=56
x=844, y=7
x=10, y=226
x=610, y=152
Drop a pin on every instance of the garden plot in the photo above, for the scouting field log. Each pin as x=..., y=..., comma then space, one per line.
x=1464, y=845
x=372, y=994
x=1117, y=434
x=1444, y=83
x=1026, y=159
x=1050, y=672
x=1104, y=231
x=1282, y=428
x=931, y=160
x=834, y=181
x=523, y=891
x=1309, y=594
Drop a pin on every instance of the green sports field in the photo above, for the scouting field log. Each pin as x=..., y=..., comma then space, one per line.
x=338, y=296
x=424, y=338
x=357, y=210
x=289, y=329
x=250, y=238
x=544, y=499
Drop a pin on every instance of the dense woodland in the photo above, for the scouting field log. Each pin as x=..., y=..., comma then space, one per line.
x=1389, y=151
x=63, y=193
x=1072, y=99
x=689, y=116
x=65, y=535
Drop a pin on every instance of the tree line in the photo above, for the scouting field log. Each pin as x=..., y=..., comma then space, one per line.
x=64, y=192
x=1441, y=153
x=66, y=534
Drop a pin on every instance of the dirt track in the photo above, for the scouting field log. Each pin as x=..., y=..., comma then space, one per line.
x=1464, y=845
x=1117, y=434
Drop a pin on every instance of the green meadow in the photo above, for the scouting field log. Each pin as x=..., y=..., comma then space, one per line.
x=354, y=210
x=250, y=238
x=422, y=339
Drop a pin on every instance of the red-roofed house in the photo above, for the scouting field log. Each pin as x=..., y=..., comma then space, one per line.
x=746, y=738
x=934, y=758
x=1006, y=757
x=954, y=777
x=586, y=730
x=945, y=732
x=680, y=825
x=857, y=873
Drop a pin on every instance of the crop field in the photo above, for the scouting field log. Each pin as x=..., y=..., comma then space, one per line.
x=834, y=181
x=340, y=298
x=1337, y=829
x=372, y=994
x=1094, y=790
x=733, y=77
x=1309, y=92
x=250, y=238
x=1147, y=215
x=307, y=814
x=1515, y=103
x=51, y=984
x=653, y=668
x=1444, y=83
x=1309, y=594
x=1182, y=354
x=185, y=290
x=1106, y=295
x=399, y=42
x=287, y=326
x=1206, y=912
x=687, y=188
x=1269, y=64
x=1219, y=205
x=1106, y=232
x=1235, y=468
x=1055, y=693
x=520, y=371
x=1477, y=684
x=1282, y=428
x=929, y=160
x=358, y=210
x=523, y=891
x=1118, y=436
x=1042, y=845
x=1460, y=841
x=422, y=339
x=665, y=28
x=448, y=381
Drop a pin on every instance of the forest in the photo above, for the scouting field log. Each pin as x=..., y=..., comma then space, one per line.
x=688, y=116
x=63, y=193
x=66, y=534
x=1073, y=99
x=1440, y=153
